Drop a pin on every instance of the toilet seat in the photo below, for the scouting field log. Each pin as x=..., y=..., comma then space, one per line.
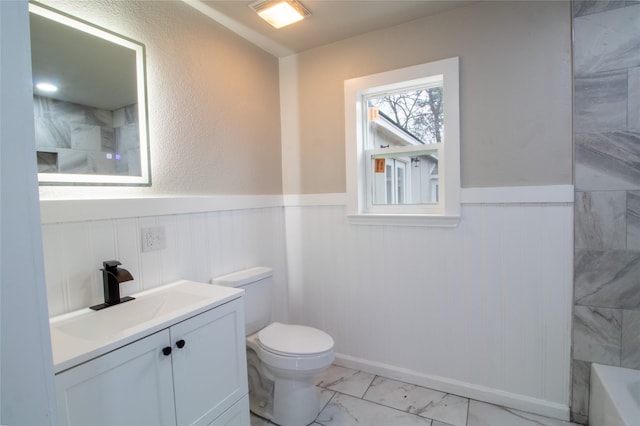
x=294, y=340
x=315, y=357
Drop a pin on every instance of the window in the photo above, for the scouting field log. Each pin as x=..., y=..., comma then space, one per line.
x=403, y=145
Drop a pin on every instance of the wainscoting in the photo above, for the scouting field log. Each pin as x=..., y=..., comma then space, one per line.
x=482, y=310
x=199, y=246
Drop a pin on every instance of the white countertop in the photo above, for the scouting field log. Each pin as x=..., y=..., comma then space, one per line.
x=85, y=334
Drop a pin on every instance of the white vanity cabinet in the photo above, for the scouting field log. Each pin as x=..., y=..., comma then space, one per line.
x=192, y=372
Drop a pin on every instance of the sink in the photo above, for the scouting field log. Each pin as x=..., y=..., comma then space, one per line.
x=105, y=323
x=82, y=335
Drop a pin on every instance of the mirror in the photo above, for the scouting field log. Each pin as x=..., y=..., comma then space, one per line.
x=91, y=122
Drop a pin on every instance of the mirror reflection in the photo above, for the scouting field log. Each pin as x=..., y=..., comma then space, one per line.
x=89, y=103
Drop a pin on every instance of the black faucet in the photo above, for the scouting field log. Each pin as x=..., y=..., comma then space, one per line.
x=112, y=276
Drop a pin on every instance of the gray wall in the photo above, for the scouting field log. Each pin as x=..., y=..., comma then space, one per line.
x=515, y=85
x=213, y=102
x=607, y=179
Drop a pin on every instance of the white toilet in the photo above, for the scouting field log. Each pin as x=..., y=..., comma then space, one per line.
x=282, y=359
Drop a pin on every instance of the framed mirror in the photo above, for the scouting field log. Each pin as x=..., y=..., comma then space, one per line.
x=90, y=104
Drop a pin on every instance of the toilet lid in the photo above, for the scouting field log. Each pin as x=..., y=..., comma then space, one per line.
x=294, y=340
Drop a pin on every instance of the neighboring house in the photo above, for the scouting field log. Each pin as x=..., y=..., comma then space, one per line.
x=405, y=180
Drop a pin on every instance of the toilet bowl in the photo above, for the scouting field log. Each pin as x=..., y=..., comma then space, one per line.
x=283, y=359
x=290, y=356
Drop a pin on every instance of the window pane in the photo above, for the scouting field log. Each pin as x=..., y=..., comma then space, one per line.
x=409, y=117
x=407, y=178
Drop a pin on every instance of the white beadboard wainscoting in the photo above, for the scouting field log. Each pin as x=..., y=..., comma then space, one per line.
x=482, y=310
x=199, y=246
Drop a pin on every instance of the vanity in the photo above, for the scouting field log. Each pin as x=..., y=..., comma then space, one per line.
x=173, y=356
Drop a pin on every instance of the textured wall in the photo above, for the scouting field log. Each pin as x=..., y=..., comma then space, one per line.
x=214, y=123
x=515, y=84
x=607, y=206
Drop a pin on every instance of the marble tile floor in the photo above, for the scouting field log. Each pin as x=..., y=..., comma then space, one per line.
x=351, y=397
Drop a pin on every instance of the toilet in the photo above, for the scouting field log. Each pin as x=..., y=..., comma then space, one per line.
x=282, y=359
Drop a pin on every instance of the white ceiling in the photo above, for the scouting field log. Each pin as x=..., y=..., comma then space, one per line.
x=331, y=20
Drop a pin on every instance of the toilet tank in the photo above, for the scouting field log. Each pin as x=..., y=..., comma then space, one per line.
x=257, y=283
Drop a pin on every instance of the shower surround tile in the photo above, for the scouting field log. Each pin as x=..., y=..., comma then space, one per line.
x=581, y=375
x=596, y=334
x=630, y=339
x=86, y=137
x=606, y=158
x=345, y=380
x=600, y=220
x=607, y=161
x=435, y=405
x=345, y=410
x=633, y=220
x=607, y=41
x=633, y=107
x=600, y=102
x=588, y=7
x=607, y=278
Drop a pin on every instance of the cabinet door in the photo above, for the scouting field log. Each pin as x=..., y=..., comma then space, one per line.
x=210, y=369
x=129, y=386
x=238, y=415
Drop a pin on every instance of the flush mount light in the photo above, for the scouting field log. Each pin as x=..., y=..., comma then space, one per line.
x=46, y=87
x=280, y=13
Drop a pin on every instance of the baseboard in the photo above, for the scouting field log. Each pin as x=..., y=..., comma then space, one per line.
x=468, y=390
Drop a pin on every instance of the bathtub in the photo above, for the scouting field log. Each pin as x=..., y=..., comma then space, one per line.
x=614, y=397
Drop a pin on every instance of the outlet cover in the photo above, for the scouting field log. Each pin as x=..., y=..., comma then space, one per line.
x=153, y=238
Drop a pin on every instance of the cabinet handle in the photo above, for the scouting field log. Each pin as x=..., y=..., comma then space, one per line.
x=166, y=351
x=180, y=343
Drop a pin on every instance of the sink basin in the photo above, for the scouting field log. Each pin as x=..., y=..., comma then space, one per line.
x=130, y=314
x=85, y=334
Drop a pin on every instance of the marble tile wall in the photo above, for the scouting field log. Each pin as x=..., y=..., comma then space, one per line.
x=73, y=138
x=607, y=179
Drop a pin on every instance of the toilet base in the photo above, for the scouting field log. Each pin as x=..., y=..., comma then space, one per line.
x=296, y=402
x=260, y=388
x=283, y=401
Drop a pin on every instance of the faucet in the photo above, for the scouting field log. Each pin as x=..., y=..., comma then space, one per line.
x=112, y=276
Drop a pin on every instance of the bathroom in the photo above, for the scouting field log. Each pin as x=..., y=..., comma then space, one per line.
x=484, y=310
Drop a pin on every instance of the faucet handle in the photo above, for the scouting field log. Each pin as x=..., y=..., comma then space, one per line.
x=111, y=264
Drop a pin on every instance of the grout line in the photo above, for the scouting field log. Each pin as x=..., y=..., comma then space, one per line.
x=328, y=401
x=369, y=386
x=379, y=404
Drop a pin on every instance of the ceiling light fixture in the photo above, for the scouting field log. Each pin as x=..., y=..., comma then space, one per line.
x=280, y=13
x=46, y=87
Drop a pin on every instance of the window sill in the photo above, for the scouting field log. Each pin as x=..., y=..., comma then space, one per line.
x=404, y=220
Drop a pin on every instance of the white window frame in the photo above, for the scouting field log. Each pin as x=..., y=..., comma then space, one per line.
x=358, y=159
